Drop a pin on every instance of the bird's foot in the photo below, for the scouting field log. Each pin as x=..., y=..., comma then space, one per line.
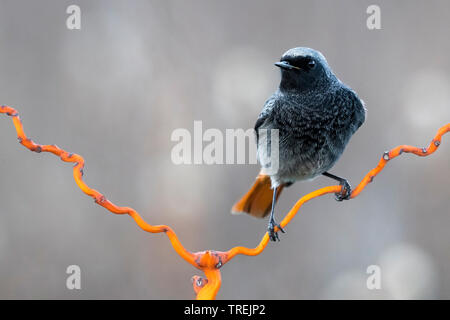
x=346, y=191
x=273, y=236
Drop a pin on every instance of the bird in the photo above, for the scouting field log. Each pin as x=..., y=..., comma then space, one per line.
x=314, y=115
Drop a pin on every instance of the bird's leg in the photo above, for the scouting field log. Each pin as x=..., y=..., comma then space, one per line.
x=346, y=188
x=272, y=224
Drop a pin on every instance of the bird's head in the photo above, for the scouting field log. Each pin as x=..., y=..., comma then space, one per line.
x=303, y=69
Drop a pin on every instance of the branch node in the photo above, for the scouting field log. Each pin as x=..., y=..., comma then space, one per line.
x=198, y=282
x=100, y=199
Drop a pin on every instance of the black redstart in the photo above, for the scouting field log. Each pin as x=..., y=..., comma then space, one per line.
x=316, y=115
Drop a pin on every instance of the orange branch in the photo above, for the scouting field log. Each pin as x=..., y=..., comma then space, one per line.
x=209, y=261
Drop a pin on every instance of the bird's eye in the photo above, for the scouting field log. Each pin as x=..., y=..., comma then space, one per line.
x=311, y=64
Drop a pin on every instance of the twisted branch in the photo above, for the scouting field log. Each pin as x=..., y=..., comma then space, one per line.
x=209, y=261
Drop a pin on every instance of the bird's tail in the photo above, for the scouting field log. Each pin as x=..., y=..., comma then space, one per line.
x=257, y=201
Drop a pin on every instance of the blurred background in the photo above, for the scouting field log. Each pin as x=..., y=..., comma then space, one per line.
x=115, y=91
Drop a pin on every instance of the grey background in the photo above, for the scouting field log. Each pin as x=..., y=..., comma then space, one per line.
x=137, y=70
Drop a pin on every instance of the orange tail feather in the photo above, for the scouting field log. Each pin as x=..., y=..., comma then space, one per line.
x=258, y=200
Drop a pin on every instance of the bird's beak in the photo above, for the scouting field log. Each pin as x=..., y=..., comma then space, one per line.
x=286, y=65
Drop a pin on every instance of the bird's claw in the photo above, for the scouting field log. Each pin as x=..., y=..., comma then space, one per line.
x=273, y=236
x=346, y=191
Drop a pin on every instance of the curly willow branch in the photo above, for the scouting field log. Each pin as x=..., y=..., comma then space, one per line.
x=209, y=261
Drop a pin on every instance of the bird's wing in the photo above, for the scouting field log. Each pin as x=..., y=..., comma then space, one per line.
x=264, y=115
x=358, y=114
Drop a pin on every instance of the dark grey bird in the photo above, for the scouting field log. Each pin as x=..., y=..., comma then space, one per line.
x=315, y=115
